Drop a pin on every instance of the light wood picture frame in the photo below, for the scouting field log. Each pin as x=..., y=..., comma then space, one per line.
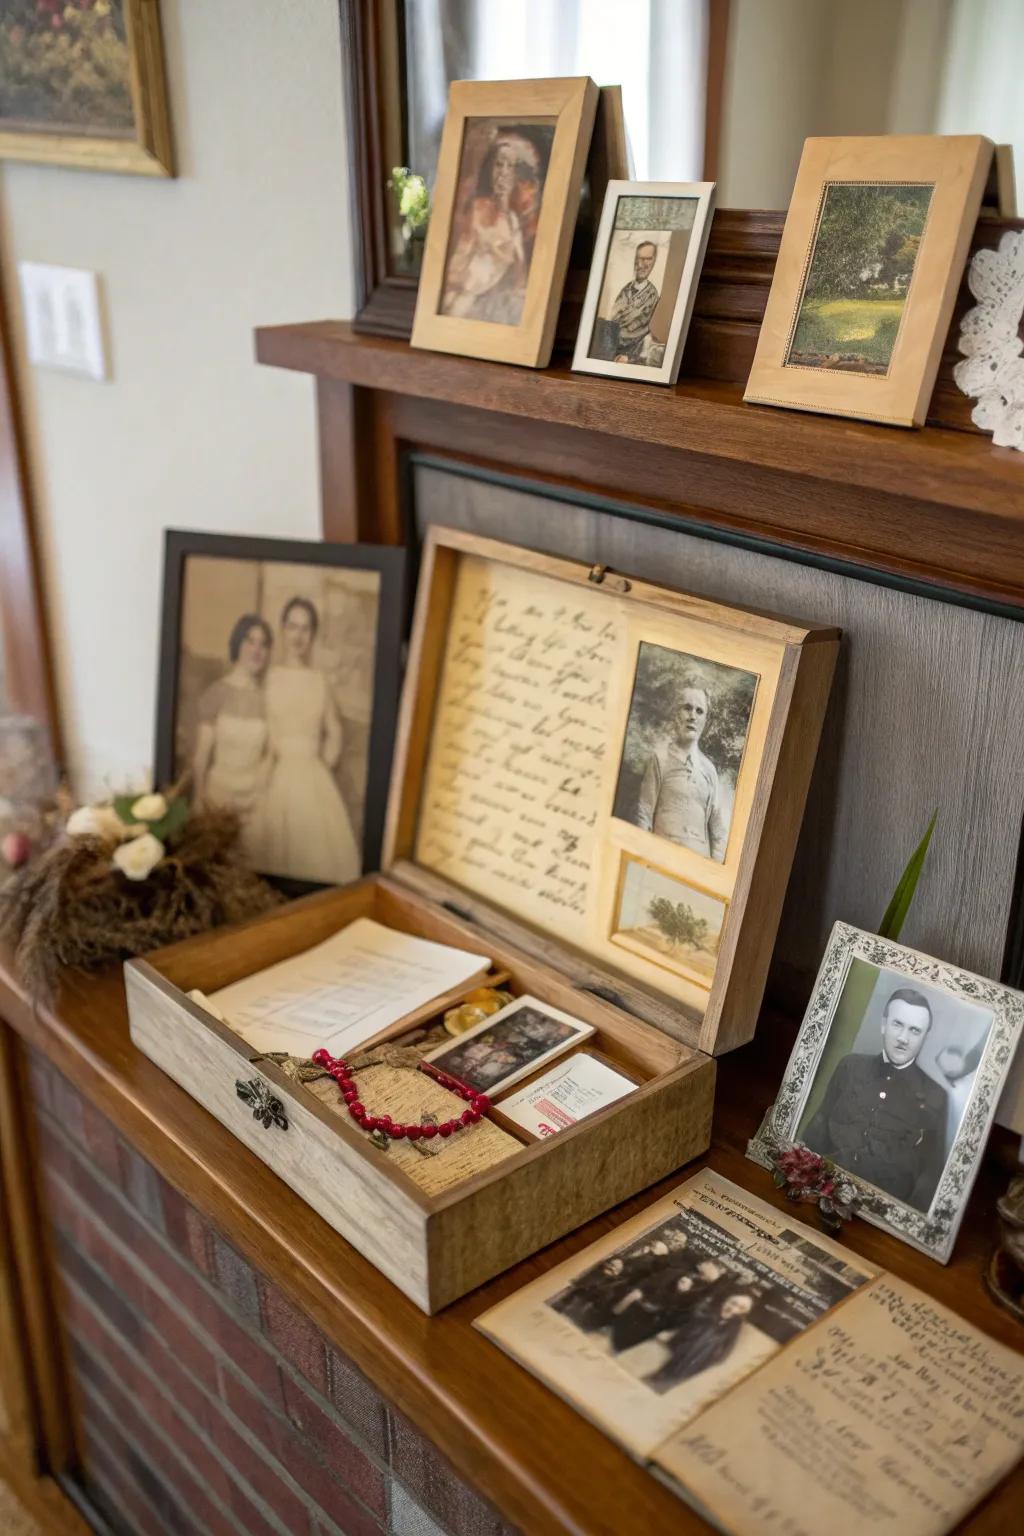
x=647, y=261
x=120, y=43
x=905, y=1125
x=872, y=254
x=509, y=177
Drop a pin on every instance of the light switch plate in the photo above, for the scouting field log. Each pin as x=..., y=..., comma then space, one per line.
x=62, y=316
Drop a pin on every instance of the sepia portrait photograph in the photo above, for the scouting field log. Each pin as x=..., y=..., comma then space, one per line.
x=502, y=170
x=647, y=259
x=894, y=1078
x=859, y=276
x=685, y=736
x=509, y=1045
x=271, y=698
x=667, y=919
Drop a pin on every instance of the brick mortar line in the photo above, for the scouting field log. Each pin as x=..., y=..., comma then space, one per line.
x=116, y=1463
x=233, y=1421
x=235, y=1312
x=222, y=1298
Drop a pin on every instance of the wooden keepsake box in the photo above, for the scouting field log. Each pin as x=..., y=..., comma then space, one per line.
x=598, y=783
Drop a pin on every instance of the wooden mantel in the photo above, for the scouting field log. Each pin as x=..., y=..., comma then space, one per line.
x=545, y=1468
x=940, y=506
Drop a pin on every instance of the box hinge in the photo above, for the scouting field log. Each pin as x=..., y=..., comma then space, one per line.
x=602, y=577
x=457, y=911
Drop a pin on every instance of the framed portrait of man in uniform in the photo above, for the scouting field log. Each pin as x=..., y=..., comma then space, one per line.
x=895, y=1078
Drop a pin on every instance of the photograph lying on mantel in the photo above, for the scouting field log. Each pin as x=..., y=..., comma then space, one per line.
x=895, y=1077
x=772, y=1378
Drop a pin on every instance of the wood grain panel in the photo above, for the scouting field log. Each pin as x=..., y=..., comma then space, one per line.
x=924, y=713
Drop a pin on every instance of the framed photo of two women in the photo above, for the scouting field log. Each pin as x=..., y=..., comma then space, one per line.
x=278, y=689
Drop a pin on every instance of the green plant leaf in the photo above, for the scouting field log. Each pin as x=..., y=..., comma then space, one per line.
x=903, y=895
x=172, y=823
x=123, y=806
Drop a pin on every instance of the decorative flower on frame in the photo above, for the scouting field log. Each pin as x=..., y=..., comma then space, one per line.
x=805, y=1176
x=990, y=339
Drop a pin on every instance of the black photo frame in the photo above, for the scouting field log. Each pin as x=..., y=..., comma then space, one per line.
x=390, y=565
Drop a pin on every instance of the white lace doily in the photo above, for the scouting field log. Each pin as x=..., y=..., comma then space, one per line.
x=993, y=368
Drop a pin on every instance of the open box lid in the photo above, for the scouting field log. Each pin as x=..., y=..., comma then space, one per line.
x=608, y=773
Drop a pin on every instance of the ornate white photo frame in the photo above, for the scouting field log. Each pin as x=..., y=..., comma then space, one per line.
x=933, y=1231
x=699, y=194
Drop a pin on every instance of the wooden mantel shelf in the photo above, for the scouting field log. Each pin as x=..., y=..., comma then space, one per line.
x=698, y=416
x=546, y=1469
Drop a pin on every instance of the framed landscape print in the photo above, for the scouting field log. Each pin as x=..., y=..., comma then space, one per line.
x=647, y=260
x=82, y=84
x=895, y=1078
x=279, y=675
x=508, y=187
x=872, y=254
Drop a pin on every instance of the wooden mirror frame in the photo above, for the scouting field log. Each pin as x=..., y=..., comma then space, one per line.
x=372, y=45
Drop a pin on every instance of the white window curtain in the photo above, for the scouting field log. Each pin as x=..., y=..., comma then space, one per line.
x=655, y=49
x=982, y=90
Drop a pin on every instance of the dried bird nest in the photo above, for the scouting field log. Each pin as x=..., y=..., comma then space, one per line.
x=72, y=906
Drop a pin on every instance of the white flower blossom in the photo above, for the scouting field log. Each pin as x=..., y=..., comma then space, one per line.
x=150, y=808
x=96, y=821
x=140, y=857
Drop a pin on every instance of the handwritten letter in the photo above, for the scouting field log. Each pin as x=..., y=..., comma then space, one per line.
x=892, y=1415
x=521, y=734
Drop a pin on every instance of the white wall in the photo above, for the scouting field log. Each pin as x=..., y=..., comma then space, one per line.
x=190, y=432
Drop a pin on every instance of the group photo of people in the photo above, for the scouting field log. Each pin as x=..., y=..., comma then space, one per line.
x=273, y=707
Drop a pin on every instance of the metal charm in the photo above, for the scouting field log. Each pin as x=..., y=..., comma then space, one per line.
x=265, y=1107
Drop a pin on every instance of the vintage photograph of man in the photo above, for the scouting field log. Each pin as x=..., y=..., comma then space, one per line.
x=690, y=1303
x=502, y=171
x=685, y=736
x=894, y=1081
x=509, y=1045
x=273, y=707
x=642, y=273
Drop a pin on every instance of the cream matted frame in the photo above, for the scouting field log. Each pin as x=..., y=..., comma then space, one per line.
x=436, y=762
x=957, y=168
x=933, y=1231
x=572, y=102
x=149, y=151
x=703, y=194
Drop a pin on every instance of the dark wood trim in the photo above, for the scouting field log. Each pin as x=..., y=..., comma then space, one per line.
x=55, y=1447
x=714, y=97
x=28, y=665
x=345, y=459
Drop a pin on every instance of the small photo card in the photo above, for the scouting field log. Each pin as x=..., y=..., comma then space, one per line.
x=509, y=1045
x=571, y=1091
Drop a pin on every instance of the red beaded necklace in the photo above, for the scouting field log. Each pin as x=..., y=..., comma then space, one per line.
x=478, y=1103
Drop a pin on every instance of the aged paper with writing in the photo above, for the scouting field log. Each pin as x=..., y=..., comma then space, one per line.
x=521, y=739
x=891, y=1415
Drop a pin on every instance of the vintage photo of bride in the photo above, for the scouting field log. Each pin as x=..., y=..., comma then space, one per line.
x=273, y=702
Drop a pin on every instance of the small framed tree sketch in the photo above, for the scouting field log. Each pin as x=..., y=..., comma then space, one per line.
x=647, y=260
x=872, y=254
x=83, y=85
x=509, y=178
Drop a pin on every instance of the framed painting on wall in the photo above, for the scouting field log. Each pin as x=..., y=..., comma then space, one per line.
x=647, y=259
x=82, y=84
x=509, y=178
x=279, y=673
x=872, y=254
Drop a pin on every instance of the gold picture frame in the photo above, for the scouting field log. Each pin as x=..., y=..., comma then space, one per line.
x=143, y=149
x=509, y=177
x=872, y=254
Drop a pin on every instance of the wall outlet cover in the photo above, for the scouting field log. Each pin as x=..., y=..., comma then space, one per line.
x=62, y=317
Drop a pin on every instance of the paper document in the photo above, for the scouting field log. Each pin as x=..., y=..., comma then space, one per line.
x=569, y=1092
x=343, y=992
